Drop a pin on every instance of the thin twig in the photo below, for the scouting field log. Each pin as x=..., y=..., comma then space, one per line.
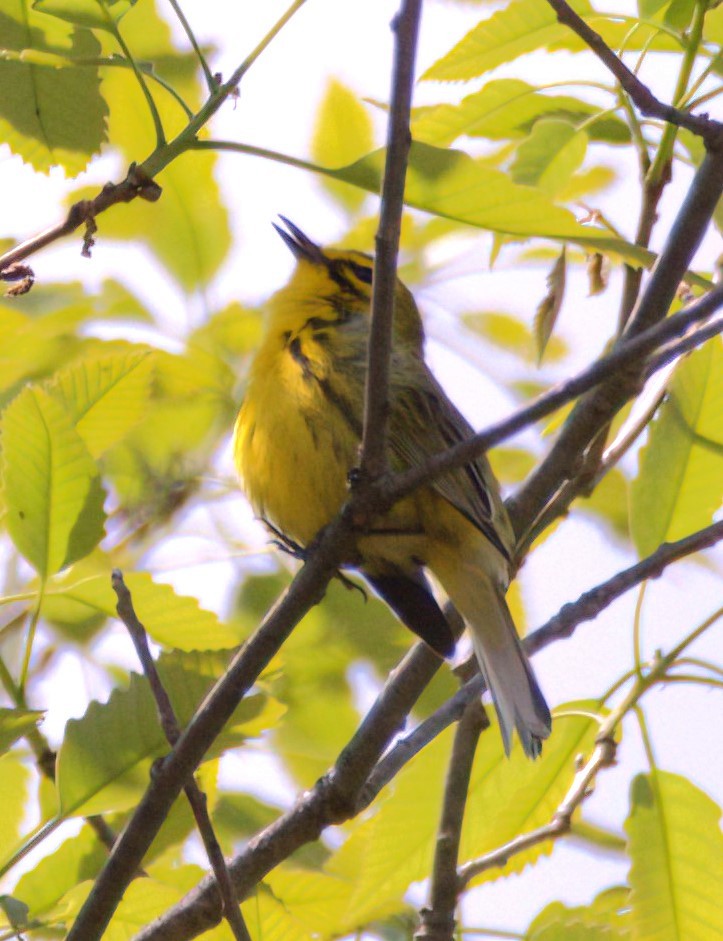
x=208, y=75
x=603, y=756
x=136, y=184
x=437, y=920
x=701, y=125
x=373, y=460
x=139, y=181
x=171, y=729
x=560, y=626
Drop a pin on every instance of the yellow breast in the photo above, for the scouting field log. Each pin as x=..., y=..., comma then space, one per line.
x=292, y=446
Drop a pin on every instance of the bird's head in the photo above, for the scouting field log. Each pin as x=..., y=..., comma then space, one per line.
x=343, y=278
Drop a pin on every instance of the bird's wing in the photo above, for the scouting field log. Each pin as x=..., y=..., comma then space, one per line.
x=424, y=422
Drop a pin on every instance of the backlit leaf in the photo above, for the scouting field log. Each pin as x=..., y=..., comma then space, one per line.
x=676, y=852
x=170, y=619
x=506, y=109
x=52, y=486
x=342, y=134
x=14, y=723
x=106, y=395
x=549, y=156
x=521, y=26
x=76, y=859
x=14, y=780
x=49, y=116
x=104, y=761
x=678, y=487
x=97, y=14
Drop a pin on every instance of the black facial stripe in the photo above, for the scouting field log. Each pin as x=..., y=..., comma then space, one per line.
x=337, y=276
x=297, y=354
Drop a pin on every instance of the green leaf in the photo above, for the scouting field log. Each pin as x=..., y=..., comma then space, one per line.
x=15, y=911
x=49, y=117
x=343, y=132
x=549, y=156
x=52, y=486
x=14, y=723
x=605, y=919
x=512, y=335
x=188, y=228
x=316, y=901
x=14, y=780
x=104, y=761
x=676, y=852
x=506, y=109
x=522, y=26
x=170, y=619
x=531, y=790
x=94, y=14
x=549, y=306
x=678, y=487
x=394, y=848
x=79, y=858
x=105, y=395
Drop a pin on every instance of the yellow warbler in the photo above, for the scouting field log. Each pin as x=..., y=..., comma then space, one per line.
x=297, y=437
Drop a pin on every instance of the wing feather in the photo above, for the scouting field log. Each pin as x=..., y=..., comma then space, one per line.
x=424, y=422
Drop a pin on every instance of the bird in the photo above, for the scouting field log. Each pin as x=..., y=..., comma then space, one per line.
x=297, y=439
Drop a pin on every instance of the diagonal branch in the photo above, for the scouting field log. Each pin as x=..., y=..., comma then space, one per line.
x=631, y=352
x=562, y=625
x=646, y=102
x=333, y=799
x=597, y=408
x=373, y=460
x=361, y=772
x=169, y=723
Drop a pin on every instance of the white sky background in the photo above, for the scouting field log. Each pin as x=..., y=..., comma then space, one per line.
x=351, y=41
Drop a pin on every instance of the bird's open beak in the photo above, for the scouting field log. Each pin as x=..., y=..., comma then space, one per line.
x=301, y=246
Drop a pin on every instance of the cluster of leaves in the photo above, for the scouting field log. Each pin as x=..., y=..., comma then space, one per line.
x=108, y=445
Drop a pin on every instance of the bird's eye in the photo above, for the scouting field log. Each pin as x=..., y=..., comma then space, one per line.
x=362, y=272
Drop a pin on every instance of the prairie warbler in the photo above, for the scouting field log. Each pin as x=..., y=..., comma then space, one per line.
x=297, y=437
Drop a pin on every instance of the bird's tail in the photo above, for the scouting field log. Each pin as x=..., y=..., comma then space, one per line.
x=517, y=697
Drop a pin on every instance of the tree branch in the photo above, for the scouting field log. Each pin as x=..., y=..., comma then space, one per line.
x=562, y=625
x=602, y=757
x=373, y=461
x=595, y=410
x=173, y=773
x=437, y=922
x=703, y=126
x=333, y=799
x=628, y=353
x=139, y=180
x=360, y=772
x=169, y=723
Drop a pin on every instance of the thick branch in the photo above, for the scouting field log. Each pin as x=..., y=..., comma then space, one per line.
x=169, y=723
x=376, y=405
x=360, y=774
x=333, y=799
x=175, y=770
x=711, y=131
